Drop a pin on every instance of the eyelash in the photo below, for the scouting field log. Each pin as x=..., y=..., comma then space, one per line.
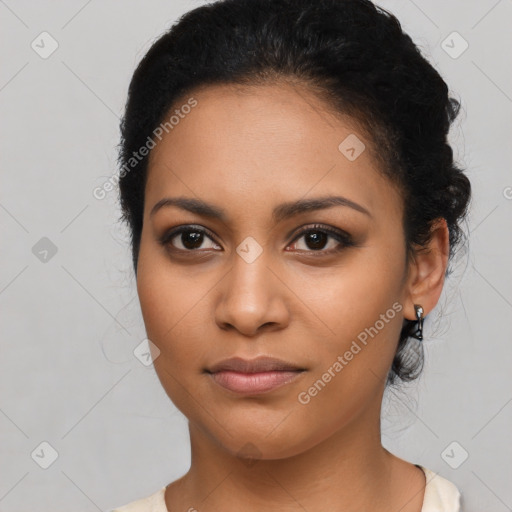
x=344, y=239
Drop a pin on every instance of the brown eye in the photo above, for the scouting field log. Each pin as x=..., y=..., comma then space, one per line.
x=322, y=240
x=315, y=240
x=189, y=238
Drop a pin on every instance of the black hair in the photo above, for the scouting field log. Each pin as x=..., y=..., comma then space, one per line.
x=355, y=56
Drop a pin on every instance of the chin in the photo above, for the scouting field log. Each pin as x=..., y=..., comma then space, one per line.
x=251, y=442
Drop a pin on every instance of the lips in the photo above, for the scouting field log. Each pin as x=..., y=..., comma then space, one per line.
x=255, y=376
x=257, y=365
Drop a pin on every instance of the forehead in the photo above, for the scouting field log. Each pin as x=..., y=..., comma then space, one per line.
x=247, y=146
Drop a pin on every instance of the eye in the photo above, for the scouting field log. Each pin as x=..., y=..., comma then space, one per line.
x=316, y=238
x=189, y=239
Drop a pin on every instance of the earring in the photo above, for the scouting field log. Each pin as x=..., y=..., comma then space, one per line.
x=419, y=318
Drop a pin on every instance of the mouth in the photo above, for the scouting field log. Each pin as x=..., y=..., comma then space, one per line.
x=255, y=376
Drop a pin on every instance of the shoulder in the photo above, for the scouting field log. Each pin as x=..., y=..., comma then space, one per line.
x=153, y=503
x=441, y=495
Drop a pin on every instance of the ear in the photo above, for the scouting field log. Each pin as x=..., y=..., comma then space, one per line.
x=427, y=271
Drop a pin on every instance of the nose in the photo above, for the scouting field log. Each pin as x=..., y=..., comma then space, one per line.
x=252, y=298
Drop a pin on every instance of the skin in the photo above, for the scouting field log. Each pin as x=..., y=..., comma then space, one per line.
x=247, y=150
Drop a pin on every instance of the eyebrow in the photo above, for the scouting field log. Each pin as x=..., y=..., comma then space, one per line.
x=280, y=212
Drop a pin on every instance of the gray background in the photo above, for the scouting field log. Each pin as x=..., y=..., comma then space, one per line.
x=71, y=320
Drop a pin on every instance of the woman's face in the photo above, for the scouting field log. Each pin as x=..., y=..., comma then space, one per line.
x=320, y=288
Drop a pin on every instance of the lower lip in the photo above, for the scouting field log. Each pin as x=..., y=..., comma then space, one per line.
x=251, y=383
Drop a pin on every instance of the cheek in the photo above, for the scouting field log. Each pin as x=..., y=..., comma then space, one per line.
x=351, y=297
x=161, y=296
x=352, y=364
x=173, y=302
x=168, y=309
x=359, y=305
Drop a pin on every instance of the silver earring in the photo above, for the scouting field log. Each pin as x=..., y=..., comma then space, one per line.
x=419, y=318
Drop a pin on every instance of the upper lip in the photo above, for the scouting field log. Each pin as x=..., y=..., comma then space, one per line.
x=259, y=364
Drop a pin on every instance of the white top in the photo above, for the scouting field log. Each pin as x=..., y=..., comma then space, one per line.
x=441, y=495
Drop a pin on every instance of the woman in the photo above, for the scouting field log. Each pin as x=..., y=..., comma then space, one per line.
x=293, y=206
